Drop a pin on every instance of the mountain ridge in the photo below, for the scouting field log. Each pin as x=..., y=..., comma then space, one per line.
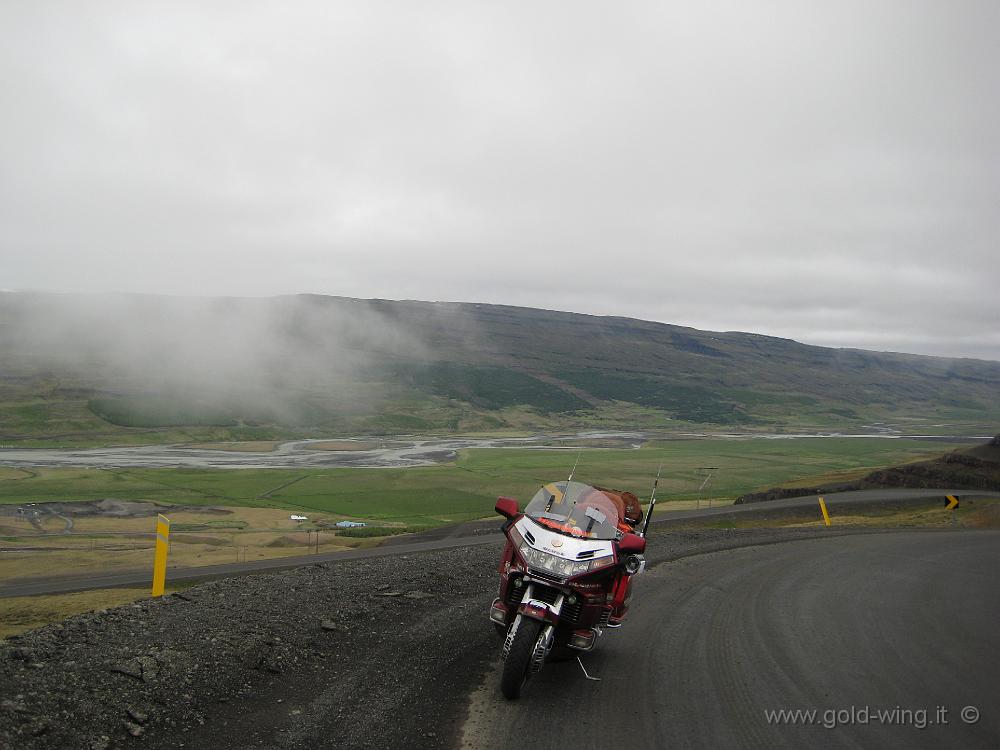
x=258, y=366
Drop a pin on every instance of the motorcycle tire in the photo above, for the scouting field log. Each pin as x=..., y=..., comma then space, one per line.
x=515, y=668
x=562, y=653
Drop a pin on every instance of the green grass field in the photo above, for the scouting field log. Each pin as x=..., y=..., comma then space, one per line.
x=467, y=489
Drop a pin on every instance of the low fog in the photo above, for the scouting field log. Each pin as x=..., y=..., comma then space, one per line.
x=262, y=356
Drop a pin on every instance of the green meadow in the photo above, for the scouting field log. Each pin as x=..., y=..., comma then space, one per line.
x=467, y=488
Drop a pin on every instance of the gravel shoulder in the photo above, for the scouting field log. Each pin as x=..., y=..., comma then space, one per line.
x=379, y=652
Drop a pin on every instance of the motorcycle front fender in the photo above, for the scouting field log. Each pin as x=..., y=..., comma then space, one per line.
x=539, y=610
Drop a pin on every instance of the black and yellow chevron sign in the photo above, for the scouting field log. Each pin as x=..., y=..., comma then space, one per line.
x=951, y=502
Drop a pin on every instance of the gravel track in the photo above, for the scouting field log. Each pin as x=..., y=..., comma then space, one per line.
x=380, y=652
x=899, y=622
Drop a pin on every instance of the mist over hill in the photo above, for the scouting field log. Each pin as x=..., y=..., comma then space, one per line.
x=159, y=368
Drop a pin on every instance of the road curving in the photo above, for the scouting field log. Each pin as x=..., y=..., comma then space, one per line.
x=861, y=640
x=386, y=651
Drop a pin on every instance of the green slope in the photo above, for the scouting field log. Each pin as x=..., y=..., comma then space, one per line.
x=75, y=370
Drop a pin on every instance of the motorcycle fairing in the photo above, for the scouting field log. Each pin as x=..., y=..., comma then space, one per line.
x=562, y=545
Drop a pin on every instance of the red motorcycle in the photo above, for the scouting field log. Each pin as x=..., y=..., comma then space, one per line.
x=564, y=574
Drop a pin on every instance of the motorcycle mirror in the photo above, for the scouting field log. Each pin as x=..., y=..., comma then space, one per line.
x=631, y=544
x=507, y=507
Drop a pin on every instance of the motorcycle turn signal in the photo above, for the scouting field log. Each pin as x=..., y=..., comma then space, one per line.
x=632, y=564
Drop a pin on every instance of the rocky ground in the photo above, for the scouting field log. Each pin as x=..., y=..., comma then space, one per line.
x=375, y=653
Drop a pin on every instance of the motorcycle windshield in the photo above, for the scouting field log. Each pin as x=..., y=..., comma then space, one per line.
x=575, y=509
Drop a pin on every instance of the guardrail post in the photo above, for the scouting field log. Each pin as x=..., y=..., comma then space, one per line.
x=160, y=561
x=826, y=516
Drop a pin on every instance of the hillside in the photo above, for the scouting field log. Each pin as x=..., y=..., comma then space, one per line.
x=139, y=368
x=976, y=468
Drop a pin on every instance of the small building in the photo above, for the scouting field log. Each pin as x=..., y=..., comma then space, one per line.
x=349, y=524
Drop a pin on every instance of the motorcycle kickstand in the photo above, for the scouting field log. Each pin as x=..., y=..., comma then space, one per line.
x=595, y=679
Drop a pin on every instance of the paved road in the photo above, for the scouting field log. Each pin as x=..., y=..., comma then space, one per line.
x=62, y=585
x=834, y=502
x=446, y=537
x=907, y=620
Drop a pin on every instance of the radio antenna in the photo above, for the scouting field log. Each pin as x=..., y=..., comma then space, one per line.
x=552, y=499
x=573, y=470
x=652, y=501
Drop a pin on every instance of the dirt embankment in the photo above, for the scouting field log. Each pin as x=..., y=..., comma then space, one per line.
x=975, y=468
x=370, y=653
x=340, y=653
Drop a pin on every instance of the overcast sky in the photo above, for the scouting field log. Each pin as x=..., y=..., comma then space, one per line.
x=825, y=171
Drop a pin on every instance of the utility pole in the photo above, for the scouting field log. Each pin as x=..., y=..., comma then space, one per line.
x=710, y=470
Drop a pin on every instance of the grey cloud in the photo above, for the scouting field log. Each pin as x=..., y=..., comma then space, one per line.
x=825, y=172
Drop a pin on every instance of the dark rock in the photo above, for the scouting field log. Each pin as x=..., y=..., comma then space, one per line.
x=265, y=655
x=14, y=706
x=143, y=668
x=418, y=595
x=150, y=667
x=131, y=668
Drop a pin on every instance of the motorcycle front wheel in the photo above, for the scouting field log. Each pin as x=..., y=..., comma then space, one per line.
x=515, y=668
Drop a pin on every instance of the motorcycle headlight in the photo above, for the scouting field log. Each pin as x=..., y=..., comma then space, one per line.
x=602, y=562
x=547, y=563
x=543, y=561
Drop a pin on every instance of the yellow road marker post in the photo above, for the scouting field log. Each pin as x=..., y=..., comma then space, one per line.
x=952, y=502
x=826, y=516
x=160, y=561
